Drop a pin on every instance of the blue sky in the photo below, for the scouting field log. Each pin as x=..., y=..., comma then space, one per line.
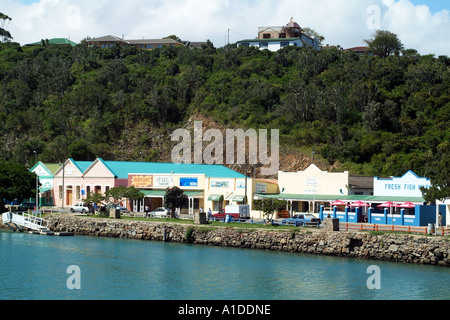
x=341, y=22
x=434, y=5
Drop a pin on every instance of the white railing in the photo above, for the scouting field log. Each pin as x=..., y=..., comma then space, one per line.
x=26, y=220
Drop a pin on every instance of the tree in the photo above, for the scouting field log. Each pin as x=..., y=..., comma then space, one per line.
x=440, y=183
x=270, y=206
x=94, y=197
x=314, y=34
x=134, y=194
x=174, y=198
x=118, y=193
x=4, y=34
x=16, y=182
x=384, y=43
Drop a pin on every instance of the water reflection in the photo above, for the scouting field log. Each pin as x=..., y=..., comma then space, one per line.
x=133, y=269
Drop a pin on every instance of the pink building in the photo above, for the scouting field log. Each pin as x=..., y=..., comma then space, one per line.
x=76, y=179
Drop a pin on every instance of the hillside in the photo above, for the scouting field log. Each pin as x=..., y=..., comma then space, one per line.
x=369, y=115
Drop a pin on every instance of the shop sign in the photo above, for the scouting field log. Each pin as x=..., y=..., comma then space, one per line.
x=310, y=181
x=220, y=184
x=163, y=181
x=260, y=188
x=240, y=184
x=406, y=186
x=188, y=182
x=142, y=181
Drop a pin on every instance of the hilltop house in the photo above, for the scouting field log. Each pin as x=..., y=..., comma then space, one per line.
x=276, y=37
x=362, y=51
x=109, y=41
x=54, y=42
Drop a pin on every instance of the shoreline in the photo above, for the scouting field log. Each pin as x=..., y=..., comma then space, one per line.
x=400, y=248
x=416, y=249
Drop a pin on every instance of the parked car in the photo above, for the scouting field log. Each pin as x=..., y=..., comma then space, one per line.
x=25, y=206
x=301, y=220
x=160, y=212
x=219, y=215
x=237, y=212
x=79, y=207
x=122, y=209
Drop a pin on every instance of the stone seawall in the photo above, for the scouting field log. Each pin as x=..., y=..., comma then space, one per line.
x=388, y=247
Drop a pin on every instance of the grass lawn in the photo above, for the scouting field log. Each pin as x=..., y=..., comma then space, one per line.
x=209, y=224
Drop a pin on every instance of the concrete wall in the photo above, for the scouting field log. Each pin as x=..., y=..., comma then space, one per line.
x=389, y=247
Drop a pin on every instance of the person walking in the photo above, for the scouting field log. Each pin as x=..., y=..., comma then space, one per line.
x=209, y=214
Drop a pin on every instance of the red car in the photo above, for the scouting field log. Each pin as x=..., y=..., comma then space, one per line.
x=221, y=214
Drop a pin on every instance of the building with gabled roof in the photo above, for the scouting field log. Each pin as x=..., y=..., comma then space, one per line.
x=109, y=41
x=362, y=51
x=45, y=173
x=53, y=41
x=211, y=186
x=274, y=38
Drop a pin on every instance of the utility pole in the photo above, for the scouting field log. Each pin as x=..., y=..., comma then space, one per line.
x=63, y=191
x=245, y=198
x=37, y=182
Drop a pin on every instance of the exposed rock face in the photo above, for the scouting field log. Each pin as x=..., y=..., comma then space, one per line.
x=389, y=247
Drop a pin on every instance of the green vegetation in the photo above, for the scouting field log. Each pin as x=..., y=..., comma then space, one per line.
x=174, y=198
x=16, y=182
x=370, y=115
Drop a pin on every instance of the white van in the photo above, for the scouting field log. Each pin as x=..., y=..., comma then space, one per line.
x=238, y=211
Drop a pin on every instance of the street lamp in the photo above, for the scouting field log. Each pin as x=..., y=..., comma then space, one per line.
x=62, y=188
x=37, y=182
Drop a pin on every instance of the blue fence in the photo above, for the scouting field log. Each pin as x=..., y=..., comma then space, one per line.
x=418, y=216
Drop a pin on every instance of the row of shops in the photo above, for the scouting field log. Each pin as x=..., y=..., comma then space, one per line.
x=215, y=186
x=206, y=186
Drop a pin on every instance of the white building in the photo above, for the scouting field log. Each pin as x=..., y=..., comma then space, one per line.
x=406, y=186
x=276, y=37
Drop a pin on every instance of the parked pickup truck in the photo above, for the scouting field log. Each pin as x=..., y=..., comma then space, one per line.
x=235, y=211
x=79, y=207
x=301, y=220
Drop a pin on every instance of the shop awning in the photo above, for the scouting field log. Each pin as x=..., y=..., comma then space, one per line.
x=239, y=198
x=332, y=198
x=215, y=197
x=162, y=193
x=153, y=193
x=194, y=194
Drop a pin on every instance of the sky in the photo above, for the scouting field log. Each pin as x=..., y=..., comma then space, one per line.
x=423, y=25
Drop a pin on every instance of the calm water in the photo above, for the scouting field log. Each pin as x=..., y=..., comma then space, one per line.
x=35, y=267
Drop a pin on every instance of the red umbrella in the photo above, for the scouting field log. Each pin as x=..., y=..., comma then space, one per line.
x=406, y=205
x=387, y=204
x=338, y=203
x=359, y=204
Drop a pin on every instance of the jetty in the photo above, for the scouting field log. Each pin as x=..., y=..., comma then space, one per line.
x=20, y=222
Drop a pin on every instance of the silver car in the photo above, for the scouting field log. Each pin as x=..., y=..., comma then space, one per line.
x=79, y=207
x=160, y=212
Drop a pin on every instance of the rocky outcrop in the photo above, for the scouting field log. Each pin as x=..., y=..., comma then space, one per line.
x=363, y=245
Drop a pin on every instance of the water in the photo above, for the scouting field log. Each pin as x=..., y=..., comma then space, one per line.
x=35, y=267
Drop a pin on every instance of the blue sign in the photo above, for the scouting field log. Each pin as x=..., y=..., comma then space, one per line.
x=188, y=182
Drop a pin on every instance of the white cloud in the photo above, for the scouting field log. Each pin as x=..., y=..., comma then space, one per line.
x=343, y=22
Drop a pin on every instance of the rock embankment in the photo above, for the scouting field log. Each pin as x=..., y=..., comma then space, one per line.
x=363, y=245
